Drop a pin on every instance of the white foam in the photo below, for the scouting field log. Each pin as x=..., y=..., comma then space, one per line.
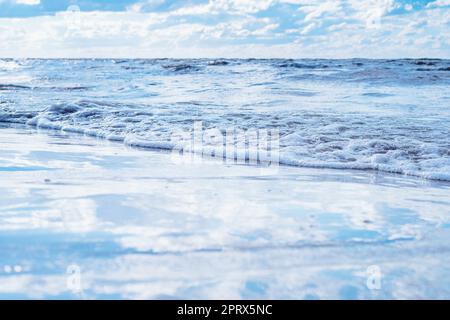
x=9, y=65
x=362, y=154
x=347, y=122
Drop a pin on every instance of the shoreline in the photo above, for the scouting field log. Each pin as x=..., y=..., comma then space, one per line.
x=166, y=146
x=207, y=230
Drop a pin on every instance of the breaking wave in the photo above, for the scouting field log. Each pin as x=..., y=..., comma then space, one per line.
x=342, y=114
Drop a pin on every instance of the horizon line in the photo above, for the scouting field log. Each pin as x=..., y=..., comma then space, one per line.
x=217, y=58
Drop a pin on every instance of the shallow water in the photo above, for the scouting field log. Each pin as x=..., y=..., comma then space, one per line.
x=384, y=115
x=141, y=224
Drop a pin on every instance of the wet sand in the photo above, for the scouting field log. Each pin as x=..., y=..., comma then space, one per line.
x=91, y=219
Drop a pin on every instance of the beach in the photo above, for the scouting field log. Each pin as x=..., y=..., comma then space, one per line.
x=88, y=218
x=225, y=158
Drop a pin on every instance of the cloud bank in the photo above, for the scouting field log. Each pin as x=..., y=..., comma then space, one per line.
x=225, y=28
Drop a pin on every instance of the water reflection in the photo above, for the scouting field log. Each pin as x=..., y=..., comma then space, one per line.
x=140, y=226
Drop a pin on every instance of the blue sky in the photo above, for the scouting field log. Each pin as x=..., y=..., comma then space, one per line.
x=225, y=28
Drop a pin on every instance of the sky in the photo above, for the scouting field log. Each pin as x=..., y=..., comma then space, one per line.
x=225, y=28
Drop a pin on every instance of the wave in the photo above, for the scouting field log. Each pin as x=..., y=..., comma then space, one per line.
x=5, y=87
x=9, y=65
x=15, y=87
x=302, y=65
x=326, y=147
x=381, y=115
x=182, y=67
x=218, y=63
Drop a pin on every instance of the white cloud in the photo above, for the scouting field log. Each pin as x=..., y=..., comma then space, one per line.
x=28, y=2
x=439, y=3
x=314, y=12
x=232, y=28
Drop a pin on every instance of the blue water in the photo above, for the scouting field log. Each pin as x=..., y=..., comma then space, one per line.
x=386, y=115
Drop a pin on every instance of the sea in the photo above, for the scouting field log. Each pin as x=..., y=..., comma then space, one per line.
x=383, y=115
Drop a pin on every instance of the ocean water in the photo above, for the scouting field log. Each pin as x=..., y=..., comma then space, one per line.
x=385, y=115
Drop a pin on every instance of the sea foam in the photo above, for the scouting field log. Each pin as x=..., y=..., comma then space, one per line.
x=358, y=114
